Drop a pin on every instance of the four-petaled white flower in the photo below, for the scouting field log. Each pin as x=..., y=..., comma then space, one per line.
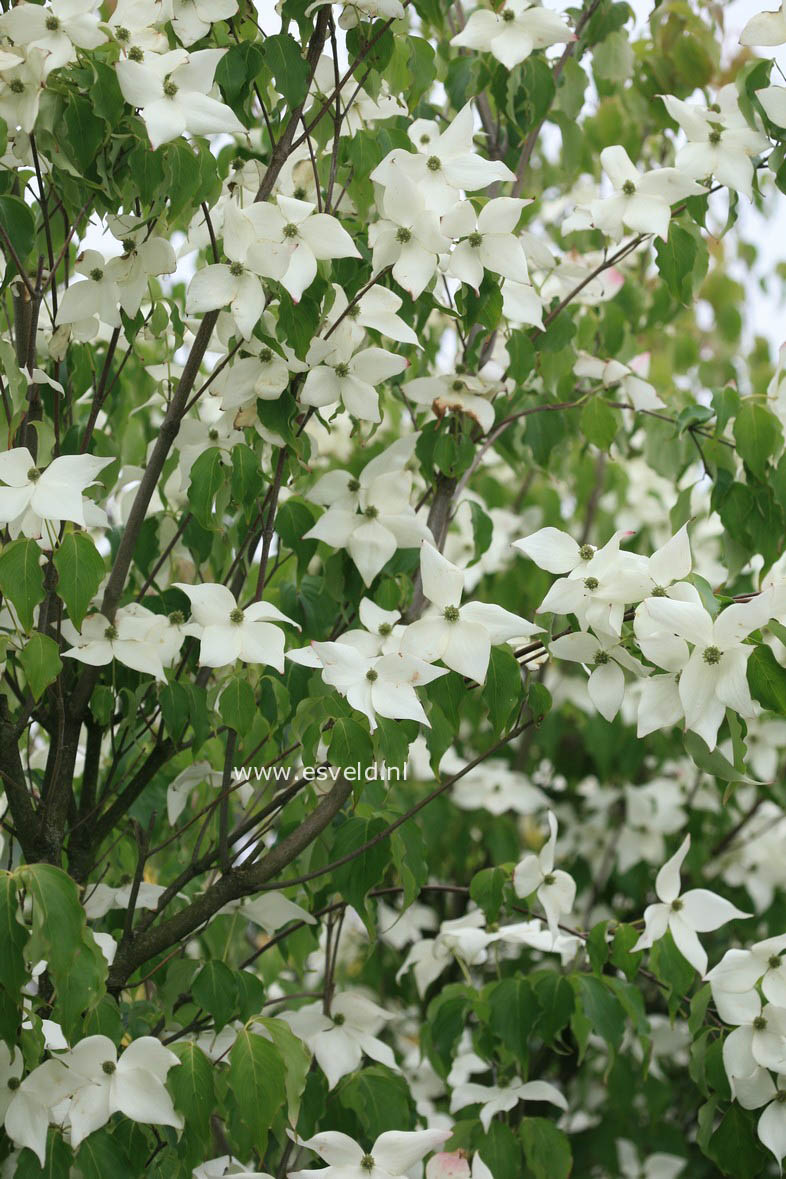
x=512, y=34
x=627, y=378
x=226, y=632
x=340, y=373
x=340, y=1040
x=720, y=141
x=408, y=238
x=607, y=657
x=487, y=241
x=57, y=29
x=684, y=914
x=641, y=201
x=52, y=493
x=555, y=889
x=460, y=635
x=394, y=1153
x=495, y=1099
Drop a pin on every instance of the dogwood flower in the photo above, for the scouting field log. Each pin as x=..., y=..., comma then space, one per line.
x=33, y=1104
x=607, y=657
x=394, y=1153
x=408, y=238
x=460, y=635
x=132, y=26
x=57, y=29
x=740, y=971
x=684, y=914
x=456, y=393
x=455, y=1165
x=98, y=295
x=463, y=938
x=136, y=638
x=376, y=685
x=654, y=1166
x=378, y=310
x=487, y=241
x=766, y=28
x=713, y=677
x=760, y=1089
x=555, y=889
x=192, y=19
x=641, y=201
x=759, y=1040
x=172, y=92
x=226, y=632
x=630, y=382
x=720, y=141
x=53, y=493
x=339, y=373
x=495, y=787
x=12, y=1066
x=145, y=255
x=512, y=34
x=21, y=87
x=773, y=99
x=495, y=1099
x=132, y=1085
x=341, y=1039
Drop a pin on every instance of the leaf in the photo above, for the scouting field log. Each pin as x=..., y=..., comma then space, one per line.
x=714, y=762
x=502, y=690
x=677, y=259
x=288, y=66
x=602, y=1009
x=758, y=435
x=556, y=1001
x=379, y=1098
x=101, y=1154
x=84, y=132
x=41, y=663
x=350, y=747
x=17, y=221
x=546, y=1149
x=193, y=1092
x=80, y=571
x=237, y=705
x=410, y=855
x=354, y=879
x=482, y=530
x=599, y=423
x=57, y=1164
x=486, y=890
x=256, y=1081
x=513, y=1013
x=214, y=989
x=296, y=1058
x=767, y=679
x=734, y=1147
x=21, y=578
x=13, y=937
x=207, y=479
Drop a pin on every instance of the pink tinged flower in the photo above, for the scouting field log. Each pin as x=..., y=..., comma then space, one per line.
x=555, y=889
x=393, y=1154
x=460, y=635
x=766, y=28
x=642, y=201
x=684, y=914
x=227, y=632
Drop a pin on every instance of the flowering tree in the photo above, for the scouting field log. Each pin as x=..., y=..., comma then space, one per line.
x=393, y=618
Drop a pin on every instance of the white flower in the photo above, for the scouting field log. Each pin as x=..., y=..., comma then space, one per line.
x=630, y=382
x=461, y=636
x=607, y=657
x=759, y=1040
x=496, y=1099
x=376, y=309
x=755, y=1091
x=458, y=393
x=488, y=241
x=641, y=201
x=464, y=938
x=134, y=638
x=512, y=34
x=720, y=141
x=339, y=373
x=740, y=971
x=773, y=99
x=132, y=1085
x=144, y=255
x=455, y=1165
x=12, y=1066
x=684, y=914
x=180, y=788
x=353, y=10
x=131, y=25
x=52, y=494
x=714, y=675
x=21, y=87
x=394, y=1153
x=555, y=889
x=376, y=685
x=56, y=29
x=495, y=787
x=33, y=1104
x=341, y=1039
x=98, y=296
x=172, y=92
x=408, y=238
x=654, y=1166
x=766, y=28
x=226, y=632
x=191, y=19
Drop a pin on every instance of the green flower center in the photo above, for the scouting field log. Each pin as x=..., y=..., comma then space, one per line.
x=367, y=1162
x=715, y=138
x=290, y=230
x=111, y=632
x=451, y=613
x=236, y=616
x=170, y=88
x=238, y=165
x=774, y=962
x=122, y=33
x=629, y=188
x=760, y=1023
x=586, y=552
x=34, y=474
x=342, y=371
x=135, y=53
x=353, y=311
x=591, y=583
x=236, y=269
x=508, y=16
x=339, y=1019
x=658, y=592
x=96, y=274
x=265, y=355
x=177, y=618
x=299, y=193
x=676, y=905
x=371, y=512
x=354, y=485
x=371, y=675
x=601, y=657
x=129, y=245
x=712, y=655
x=475, y=239
x=213, y=434
x=109, y=1067
x=403, y=235
x=433, y=163
x=17, y=86
x=385, y=628
x=457, y=386
x=13, y=1083
x=549, y=878
x=52, y=24
x=780, y=1096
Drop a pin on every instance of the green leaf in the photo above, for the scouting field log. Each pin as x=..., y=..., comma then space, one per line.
x=734, y=1146
x=296, y=1058
x=207, y=479
x=758, y=435
x=546, y=1149
x=379, y=1098
x=256, y=1080
x=57, y=1164
x=410, y=855
x=556, y=1001
x=214, y=989
x=681, y=260
x=668, y=964
x=288, y=67
x=13, y=937
x=237, y=705
x=350, y=747
x=80, y=570
x=84, y=132
x=17, y=221
x=714, y=762
x=193, y=1092
x=602, y=1009
x=41, y=663
x=599, y=423
x=513, y=1013
x=101, y=1154
x=486, y=890
x=502, y=690
x=767, y=679
x=354, y=879
x=21, y=578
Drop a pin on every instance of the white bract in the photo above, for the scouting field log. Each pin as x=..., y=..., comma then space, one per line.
x=495, y=1099
x=487, y=241
x=340, y=1039
x=226, y=632
x=642, y=200
x=512, y=34
x=49, y=494
x=393, y=1154
x=766, y=28
x=555, y=889
x=57, y=29
x=720, y=141
x=684, y=914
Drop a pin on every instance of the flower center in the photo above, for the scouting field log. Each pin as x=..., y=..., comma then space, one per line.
x=601, y=657
x=760, y=1023
x=457, y=386
x=549, y=878
x=111, y=632
x=658, y=592
x=265, y=355
x=290, y=230
x=338, y=1020
x=586, y=552
x=371, y=512
x=367, y=1162
x=342, y=371
x=238, y=165
x=135, y=53
x=122, y=33
x=299, y=194
x=591, y=583
x=129, y=245
x=712, y=655
x=433, y=163
x=371, y=675
x=629, y=188
x=508, y=16
x=236, y=616
x=34, y=474
x=236, y=269
x=781, y=1096
x=475, y=239
x=385, y=628
x=17, y=86
x=451, y=613
x=774, y=962
x=177, y=618
x=715, y=138
x=52, y=24
x=213, y=434
x=170, y=88
x=353, y=485
x=13, y=1083
x=676, y=905
x=96, y=274
x=109, y=1067
x=403, y=235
